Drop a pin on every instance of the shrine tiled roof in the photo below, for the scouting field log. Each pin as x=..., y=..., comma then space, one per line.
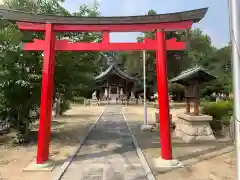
x=113, y=69
x=193, y=73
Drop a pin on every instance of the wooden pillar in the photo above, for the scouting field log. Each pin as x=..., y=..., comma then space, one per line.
x=118, y=94
x=187, y=105
x=109, y=92
x=118, y=90
x=46, y=96
x=163, y=101
x=196, y=107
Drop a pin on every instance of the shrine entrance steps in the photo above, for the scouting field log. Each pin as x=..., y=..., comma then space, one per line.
x=108, y=152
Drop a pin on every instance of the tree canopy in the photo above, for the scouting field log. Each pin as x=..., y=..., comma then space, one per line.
x=21, y=71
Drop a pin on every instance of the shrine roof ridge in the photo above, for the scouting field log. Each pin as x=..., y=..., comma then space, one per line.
x=15, y=15
x=189, y=72
x=115, y=69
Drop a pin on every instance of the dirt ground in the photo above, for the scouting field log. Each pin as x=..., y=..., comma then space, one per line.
x=67, y=131
x=212, y=161
x=209, y=160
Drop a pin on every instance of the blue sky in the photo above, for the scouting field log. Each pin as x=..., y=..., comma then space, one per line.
x=215, y=23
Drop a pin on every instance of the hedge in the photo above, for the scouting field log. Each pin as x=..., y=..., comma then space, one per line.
x=221, y=113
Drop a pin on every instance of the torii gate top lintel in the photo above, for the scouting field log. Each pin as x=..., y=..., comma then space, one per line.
x=168, y=22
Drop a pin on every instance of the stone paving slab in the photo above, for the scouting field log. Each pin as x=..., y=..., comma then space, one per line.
x=108, y=152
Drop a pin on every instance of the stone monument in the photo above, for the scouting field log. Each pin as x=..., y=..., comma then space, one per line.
x=193, y=126
x=57, y=107
x=121, y=91
x=94, y=100
x=140, y=100
x=132, y=98
x=106, y=92
x=132, y=95
x=105, y=96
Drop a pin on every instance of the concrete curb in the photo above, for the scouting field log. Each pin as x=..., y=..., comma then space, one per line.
x=141, y=156
x=69, y=159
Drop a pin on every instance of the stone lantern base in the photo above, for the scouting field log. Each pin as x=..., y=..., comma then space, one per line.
x=194, y=128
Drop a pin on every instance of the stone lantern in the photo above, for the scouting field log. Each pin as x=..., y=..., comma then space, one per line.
x=193, y=126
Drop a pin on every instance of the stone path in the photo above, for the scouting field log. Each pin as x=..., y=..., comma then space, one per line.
x=108, y=153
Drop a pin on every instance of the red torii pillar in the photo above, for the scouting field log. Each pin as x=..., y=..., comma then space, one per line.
x=163, y=100
x=47, y=95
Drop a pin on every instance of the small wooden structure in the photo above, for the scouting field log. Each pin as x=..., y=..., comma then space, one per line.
x=114, y=84
x=193, y=127
x=191, y=80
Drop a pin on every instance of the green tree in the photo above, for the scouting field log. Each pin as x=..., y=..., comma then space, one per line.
x=220, y=65
x=200, y=48
x=20, y=81
x=20, y=75
x=133, y=61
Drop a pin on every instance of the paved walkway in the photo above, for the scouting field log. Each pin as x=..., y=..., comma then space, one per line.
x=108, y=153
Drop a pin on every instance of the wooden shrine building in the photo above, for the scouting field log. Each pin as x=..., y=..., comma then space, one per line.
x=113, y=83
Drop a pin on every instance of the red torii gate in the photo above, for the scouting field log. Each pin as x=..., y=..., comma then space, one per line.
x=52, y=24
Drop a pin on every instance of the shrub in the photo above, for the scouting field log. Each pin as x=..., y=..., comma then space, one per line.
x=177, y=90
x=221, y=113
x=78, y=100
x=64, y=106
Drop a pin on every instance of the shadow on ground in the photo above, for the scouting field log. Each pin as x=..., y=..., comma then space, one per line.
x=150, y=140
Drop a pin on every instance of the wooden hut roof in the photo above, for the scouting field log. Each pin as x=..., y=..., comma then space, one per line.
x=193, y=73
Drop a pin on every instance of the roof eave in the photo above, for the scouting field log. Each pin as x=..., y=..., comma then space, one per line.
x=117, y=71
x=184, y=79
